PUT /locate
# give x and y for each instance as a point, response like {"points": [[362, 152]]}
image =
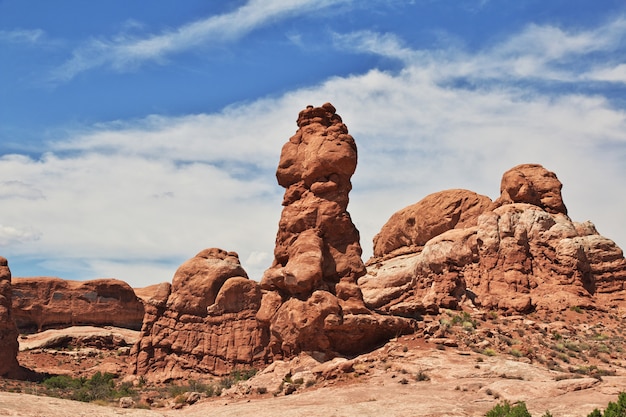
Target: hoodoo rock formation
{"points": [[518, 254], [44, 302], [313, 301], [214, 318], [8, 331]]}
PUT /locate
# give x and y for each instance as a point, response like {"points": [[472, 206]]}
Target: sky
{"points": [[133, 137]]}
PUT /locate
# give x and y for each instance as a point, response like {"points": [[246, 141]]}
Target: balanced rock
{"points": [[519, 254], [205, 322], [532, 184], [8, 332], [44, 302]]}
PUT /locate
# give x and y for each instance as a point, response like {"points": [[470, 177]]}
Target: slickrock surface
{"points": [[520, 254], [43, 303], [8, 331], [400, 379]]}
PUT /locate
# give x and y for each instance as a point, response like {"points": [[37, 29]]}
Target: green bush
{"points": [[506, 410], [99, 387]]}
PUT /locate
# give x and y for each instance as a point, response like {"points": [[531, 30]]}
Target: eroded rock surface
{"points": [[519, 254], [410, 228], [205, 322], [317, 244], [8, 332], [44, 302], [318, 305]]}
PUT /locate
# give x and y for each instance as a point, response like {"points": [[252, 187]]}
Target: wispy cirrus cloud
{"points": [[540, 52], [21, 36], [124, 51]]}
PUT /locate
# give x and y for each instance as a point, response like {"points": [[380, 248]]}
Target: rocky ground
{"points": [[460, 364]]}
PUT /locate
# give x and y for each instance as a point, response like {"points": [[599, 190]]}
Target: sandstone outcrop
{"points": [[410, 228], [8, 332], [44, 303], [213, 318], [317, 305], [518, 254], [317, 244], [205, 322]]}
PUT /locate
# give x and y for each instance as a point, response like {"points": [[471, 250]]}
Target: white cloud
{"points": [[538, 52], [19, 189], [10, 235], [133, 199], [615, 74], [21, 36], [124, 51]]}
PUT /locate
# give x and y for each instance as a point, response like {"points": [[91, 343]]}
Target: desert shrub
{"points": [[99, 387], [236, 376], [62, 382], [506, 410], [489, 352], [421, 376]]}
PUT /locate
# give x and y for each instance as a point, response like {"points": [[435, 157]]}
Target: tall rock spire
{"points": [[317, 245]]}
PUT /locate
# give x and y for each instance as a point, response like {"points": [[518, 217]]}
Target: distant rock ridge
{"points": [[8, 332], [41, 303], [518, 254], [213, 318]]}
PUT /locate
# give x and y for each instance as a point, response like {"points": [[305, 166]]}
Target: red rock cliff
{"points": [[44, 302]]}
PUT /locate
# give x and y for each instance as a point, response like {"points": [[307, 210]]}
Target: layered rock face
{"points": [[8, 332], [43, 302], [518, 254], [204, 322], [213, 318]]}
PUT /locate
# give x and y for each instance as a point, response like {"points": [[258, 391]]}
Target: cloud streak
{"points": [[125, 52], [22, 36], [538, 52]]}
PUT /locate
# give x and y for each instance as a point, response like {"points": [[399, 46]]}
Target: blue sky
{"points": [[133, 137]]}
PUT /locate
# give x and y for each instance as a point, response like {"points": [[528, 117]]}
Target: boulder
{"points": [[8, 332], [44, 303], [409, 229], [532, 184]]}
